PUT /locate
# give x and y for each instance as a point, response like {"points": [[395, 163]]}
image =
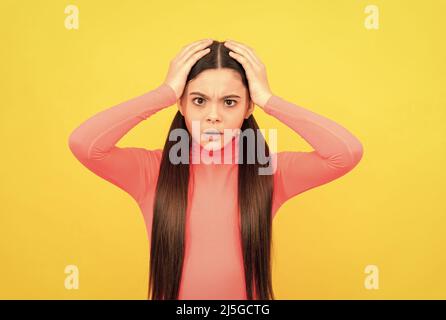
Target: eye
{"points": [[234, 102], [199, 104]]}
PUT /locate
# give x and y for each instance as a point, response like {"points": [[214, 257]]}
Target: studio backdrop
{"points": [[375, 67]]}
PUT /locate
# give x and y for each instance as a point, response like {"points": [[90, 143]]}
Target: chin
{"points": [[212, 145]]}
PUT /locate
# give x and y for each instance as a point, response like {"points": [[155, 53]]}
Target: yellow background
{"points": [[386, 86]]}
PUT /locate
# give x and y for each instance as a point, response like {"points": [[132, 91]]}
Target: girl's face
{"points": [[215, 100]]}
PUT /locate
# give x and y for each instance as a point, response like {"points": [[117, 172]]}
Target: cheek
{"points": [[190, 116], [234, 120]]}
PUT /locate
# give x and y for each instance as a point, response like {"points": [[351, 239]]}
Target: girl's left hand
{"points": [[255, 71]]}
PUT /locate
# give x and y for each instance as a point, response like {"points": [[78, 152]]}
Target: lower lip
{"points": [[213, 136]]}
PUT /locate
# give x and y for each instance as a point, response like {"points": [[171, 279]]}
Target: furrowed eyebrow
{"points": [[205, 96]]}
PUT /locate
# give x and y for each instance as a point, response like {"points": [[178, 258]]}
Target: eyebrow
{"points": [[205, 96]]}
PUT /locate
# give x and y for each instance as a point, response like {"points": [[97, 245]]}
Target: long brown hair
{"points": [[170, 205]]}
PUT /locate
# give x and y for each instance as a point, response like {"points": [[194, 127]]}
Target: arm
{"points": [[336, 150], [93, 143]]}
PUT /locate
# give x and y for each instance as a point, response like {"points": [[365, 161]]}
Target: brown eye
{"points": [[196, 99], [233, 104]]}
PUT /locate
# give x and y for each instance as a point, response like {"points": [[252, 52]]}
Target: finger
{"points": [[243, 61], [242, 52], [193, 47], [245, 50], [196, 56], [249, 50], [187, 47]]}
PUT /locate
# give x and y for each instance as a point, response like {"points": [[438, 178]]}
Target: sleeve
{"points": [[93, 143], [336, 150]]}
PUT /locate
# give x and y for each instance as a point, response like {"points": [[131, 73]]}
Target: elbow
{"points": [[77, 147], [348, 159], [73, 144], [356, 152], [344, 161]]}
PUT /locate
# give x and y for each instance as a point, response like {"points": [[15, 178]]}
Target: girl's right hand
{"points": [[180, 66]]}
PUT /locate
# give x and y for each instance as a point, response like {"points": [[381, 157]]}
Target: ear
{"points": [[250, 109], [180, 107]]}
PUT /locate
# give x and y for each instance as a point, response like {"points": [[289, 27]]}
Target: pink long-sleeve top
{"points": [[213, 263]]}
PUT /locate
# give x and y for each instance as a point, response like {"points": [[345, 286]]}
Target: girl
{"points": [[210, 224]]}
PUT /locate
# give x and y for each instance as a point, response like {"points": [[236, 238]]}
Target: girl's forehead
{"points": [[217, 89], [217, 78]]}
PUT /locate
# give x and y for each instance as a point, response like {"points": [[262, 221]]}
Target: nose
{"points": [[213, 116]]}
